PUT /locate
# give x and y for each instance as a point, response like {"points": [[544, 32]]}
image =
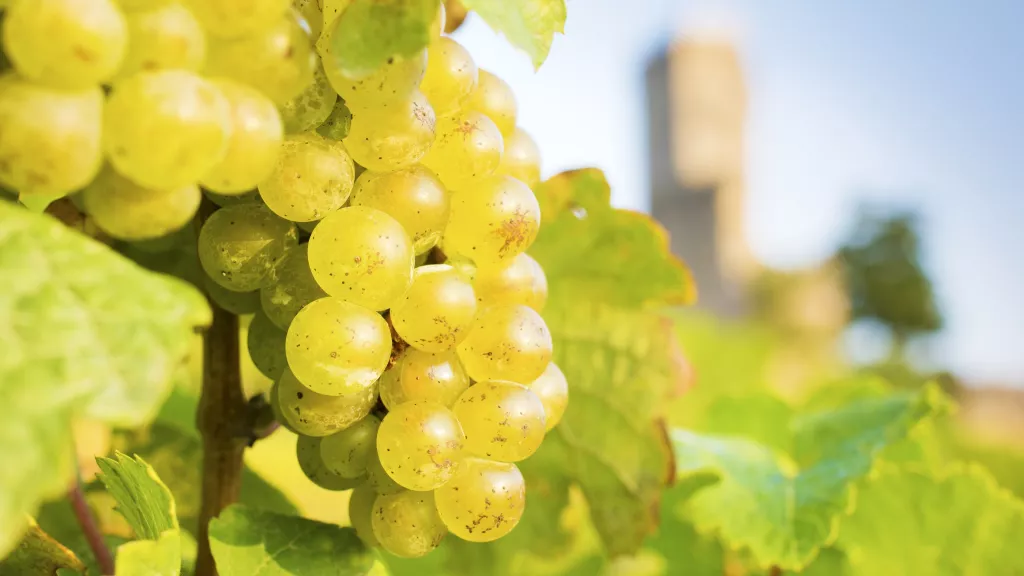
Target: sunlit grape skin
{"points": [[467, 148], [307, 452], [360, 514], [420, 444], [239, 245], [506, 342], [418, 375], [413, 196], [484, 501], [407, 524], [436, 311], [347, 452], [162, 38], [391, 137], [128, 211], [553, 390], [315, 414], [265, 343], [451, 76], [234, 18], [495, 222], [503, 421], [312, 177], [493, 97], [521, 159], [254, 144], [293, 288], [394, 82]]}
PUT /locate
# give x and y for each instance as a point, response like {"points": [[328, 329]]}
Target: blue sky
{"points": [[916, 105]]}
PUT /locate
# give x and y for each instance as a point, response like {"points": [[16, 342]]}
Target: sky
{"points": [[914, 107]]}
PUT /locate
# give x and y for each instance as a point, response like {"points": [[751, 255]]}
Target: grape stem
{"points": [[91, 530]]}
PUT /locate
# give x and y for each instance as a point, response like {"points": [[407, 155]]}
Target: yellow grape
{"points": [[239, 245], [136, 5], [466, 150], [360, 514], [506, 342], [396, 80], [238, 303], [406, 524], [70, 44], [347, 452], [378, 479], [493, 223], [125, 210], [420, 444], [265, 343], [336, 126], [521, 159], [254, 144], [275, 405], [437, 24], [437, 310], [361, 255], [167, 128], [311, 107], [50, 143], [418, 375], [222, 200], [520, 280], [293, 288], [494, 98], [413, 196], [234, 18], [450, 77], [484, 501], [315, 414], [307, 452], [330, 10], [311, 13], [163, 38], [553, 391], [312, 177], [503, 421], [391, 138]]}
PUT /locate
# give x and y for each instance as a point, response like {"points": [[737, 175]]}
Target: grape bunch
{"points": [[376, 226]]}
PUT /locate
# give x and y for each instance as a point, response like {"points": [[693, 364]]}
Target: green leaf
{"points": [[679, 543], [39, 553], [142, 498], [250, 542], [58, 519], [528, 24], [161, 557], [369, 32], [85, 332]]}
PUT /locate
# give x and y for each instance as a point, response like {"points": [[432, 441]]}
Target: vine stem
{"points": [[91, 530]]}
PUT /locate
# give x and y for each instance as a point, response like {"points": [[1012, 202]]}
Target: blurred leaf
{"points": [[528, 24], [39, 553], [160, 557], [141, 497], [829, 562], [85, 332], [369, 32], [58, 520], [679, 543]]}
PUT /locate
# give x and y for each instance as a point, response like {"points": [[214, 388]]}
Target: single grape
{"points": [[347, 452], [503, 421], [406, 524], [392, 138], [520, 280], [378, 479], [163, 38], [396, 81], [307, 452], [493, 223], [413, 196], [191, 116], [360, 514], [337, 125], [238, 303], [265, 343], [450, 77], [467, 149], [494, 98], [240, 245], [222, 200], [137, 5], [420, 444], [292, 289], [553, 391], [51, 139], [338, 348], [275, 405], [315, 414], [311, 107], [310, 12], [234, 18], [126, 210], [312, 177], [361, 255], [484, 501], [437, 310], [68, 44], [330, 10], [255, 141], [521, 159], [437, 24], [419, 375], [506, 342]]}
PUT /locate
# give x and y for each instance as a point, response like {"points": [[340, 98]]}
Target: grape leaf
{"points": [[39, 553], [84, 332], [142, 498], [528, 24], [369, 32], [679, 543], [160, 557], [250, 542]]}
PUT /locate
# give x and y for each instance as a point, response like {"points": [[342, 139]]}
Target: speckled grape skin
{"points": [[337, 348], [307, 452], [484, 501], [362, 255], [520, 280], [394, 82], [503, 421], [521, 159], [378, 479], [314, 414], [312, 106], [413, 196], [493, 97], [311, 178], [360, 514], [437, 310], [495, 222], [506, 342], [265, 342], [293, 288], [420, 444], [347, 452], [419, 375], [254, 144], [467, 149], [125, 210], [240, 245], [392, 137], [275, 405], [450, 77], [407, 524], [553, 390]]}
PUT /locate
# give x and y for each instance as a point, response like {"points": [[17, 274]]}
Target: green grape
{"points": [[240, 245], [392, 138], [69, 44], [191, 116], [362, 255], [503, 421], [493, 223], [337, 348], [293, 288], [450, 77], [419, 375], [163, 38], [265, 343], [484, 501], [311, 107], [50, 142], [378, 479], [238, 303], [436, 311], [310, 12], [360, 514], [467, 149], [331, 9], [521, 159], [520, 280], [275, 405], [346, 453], [307, 452], [406, 524], [277, 61], [254, 144], [506, 342], [136, 5], [337, 125], [494, 98], [553, 391], [420, 444], [234, 18], [312, 177], [249, 197], [315, 414], [396, 81], [413, 196], [126, 210]]}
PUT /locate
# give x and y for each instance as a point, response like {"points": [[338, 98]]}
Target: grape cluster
{"points": [[376, 225]]}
